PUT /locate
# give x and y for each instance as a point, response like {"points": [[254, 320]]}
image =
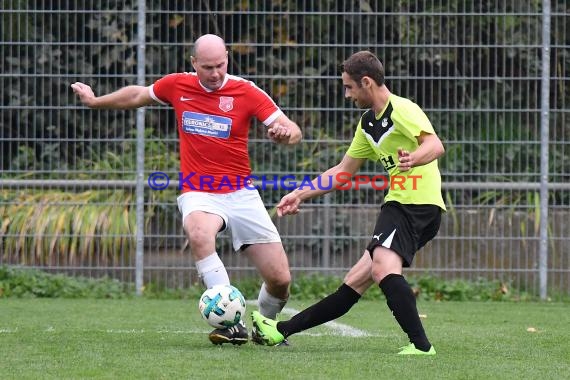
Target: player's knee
{"points": [[377, 275], [384, 262], [199, 237], [284, 280], [280, 283]]}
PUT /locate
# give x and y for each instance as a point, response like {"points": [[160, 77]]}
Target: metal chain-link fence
{"points": [[493, 76]]}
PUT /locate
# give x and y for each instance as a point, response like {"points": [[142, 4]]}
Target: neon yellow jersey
{"points": [[378, 138]]}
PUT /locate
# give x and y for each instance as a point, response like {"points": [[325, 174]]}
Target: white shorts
{"points": [[243, 212]]}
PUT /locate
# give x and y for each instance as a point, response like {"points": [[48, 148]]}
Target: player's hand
{"points": [[405, 160], [279, 133], [84, 92], [289, 205]]}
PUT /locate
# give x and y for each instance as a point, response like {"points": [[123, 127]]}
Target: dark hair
{"points": [[361, 64]]}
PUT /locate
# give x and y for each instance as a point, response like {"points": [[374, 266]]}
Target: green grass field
{"points": [[166, 339]]}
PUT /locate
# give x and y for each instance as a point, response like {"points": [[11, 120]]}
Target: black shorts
{"points": [[405, 228]]}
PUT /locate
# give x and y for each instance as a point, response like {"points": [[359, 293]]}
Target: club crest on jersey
{"points": [[226, 103]]}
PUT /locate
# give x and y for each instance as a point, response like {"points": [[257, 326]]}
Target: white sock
{"points": [[269, 306], [212, 271]]}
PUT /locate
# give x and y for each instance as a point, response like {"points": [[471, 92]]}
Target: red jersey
{"points": [[213, 128]]}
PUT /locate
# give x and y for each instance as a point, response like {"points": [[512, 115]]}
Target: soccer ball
{"points": [[222, 306]]}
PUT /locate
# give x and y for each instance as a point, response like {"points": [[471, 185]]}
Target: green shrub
{"points": [[32, 283], [29, 283]]}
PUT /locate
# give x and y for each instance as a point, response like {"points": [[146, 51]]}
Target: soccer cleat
{"points": [[412, 350], [256, 338], [265, 330], [235, 335]]}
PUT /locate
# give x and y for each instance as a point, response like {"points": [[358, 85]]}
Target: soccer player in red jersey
{"points": [[213, 112]]}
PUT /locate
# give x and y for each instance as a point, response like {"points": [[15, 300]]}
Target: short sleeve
{"points": [[265, 109], [414, 119], [159, 90]]}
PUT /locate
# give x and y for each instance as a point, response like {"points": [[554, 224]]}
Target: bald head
{"points": [[209, 44], [210, 60]]}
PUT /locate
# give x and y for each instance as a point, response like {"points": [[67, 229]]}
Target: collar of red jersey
{"points": [[222, 86]]}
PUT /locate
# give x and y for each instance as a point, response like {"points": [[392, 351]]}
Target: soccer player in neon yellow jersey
{"points": [[397, 133]]}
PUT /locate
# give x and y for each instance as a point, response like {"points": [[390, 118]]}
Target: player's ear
{"points": [[366, 82]]}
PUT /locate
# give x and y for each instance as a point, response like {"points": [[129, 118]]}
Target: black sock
{"points": [[329, 308], [401, 301]]}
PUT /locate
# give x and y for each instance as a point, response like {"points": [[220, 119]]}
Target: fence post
{"points": [[139, 264], [544, 139]]}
